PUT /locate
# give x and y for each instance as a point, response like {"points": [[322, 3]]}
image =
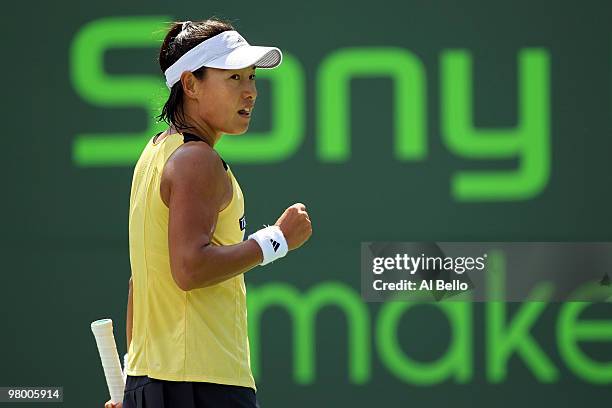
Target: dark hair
{"points": [[181, 37]]}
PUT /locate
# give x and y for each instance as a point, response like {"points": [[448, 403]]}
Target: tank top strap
{"points": [[190, 137]]}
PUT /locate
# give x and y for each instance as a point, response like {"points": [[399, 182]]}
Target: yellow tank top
{"points": [[198, 335]]}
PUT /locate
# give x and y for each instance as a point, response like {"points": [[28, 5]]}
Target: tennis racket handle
{"points": [[107, 348]]}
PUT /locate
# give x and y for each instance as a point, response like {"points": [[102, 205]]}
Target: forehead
{"points": [[222, 71]]}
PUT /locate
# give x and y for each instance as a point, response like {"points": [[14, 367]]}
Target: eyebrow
{"points": [[236, 70]]}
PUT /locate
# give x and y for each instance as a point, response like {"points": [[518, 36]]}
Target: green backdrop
{"points": [[392, 121]]}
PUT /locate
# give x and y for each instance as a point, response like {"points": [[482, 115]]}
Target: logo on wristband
{"points": [[275, 244]]}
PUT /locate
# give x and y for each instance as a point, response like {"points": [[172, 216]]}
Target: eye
{"points": [[253, 76], [235, 76]]}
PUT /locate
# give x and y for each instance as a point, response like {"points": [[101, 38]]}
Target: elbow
{"points": [[183, 280], [180, 268], [188, 281], [187, 277], [181, 276], [191, 274]]}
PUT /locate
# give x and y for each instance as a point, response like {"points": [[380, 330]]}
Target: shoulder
{"points": [[193, 173], [194, 161]]}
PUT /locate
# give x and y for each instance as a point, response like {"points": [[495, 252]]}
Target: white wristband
{"points": [[272, 243]]}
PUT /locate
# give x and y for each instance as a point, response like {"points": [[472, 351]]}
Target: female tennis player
{"points": [[189, 346]]}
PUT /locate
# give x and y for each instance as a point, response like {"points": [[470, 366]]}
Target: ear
{"points": [[190, 84]]}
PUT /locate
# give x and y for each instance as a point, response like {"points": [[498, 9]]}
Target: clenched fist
{"points": [[295, 225]]}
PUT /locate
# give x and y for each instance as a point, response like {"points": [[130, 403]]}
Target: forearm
{"points": [[130, 315], [213, 264]]}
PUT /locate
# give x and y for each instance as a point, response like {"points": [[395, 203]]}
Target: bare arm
{"points": [[130, 316], [197, 185]]}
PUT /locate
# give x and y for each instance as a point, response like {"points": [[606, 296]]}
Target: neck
{"points": [[201, 129]]}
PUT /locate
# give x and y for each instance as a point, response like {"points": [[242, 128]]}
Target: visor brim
{"points": [[248, 55]]}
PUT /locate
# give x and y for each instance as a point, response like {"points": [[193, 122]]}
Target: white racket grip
{"points": [[107, 348]]}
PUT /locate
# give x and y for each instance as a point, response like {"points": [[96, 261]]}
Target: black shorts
{"points": [[142, 391]]}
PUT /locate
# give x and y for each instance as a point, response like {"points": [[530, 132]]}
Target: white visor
{"points": [[228, 50]]}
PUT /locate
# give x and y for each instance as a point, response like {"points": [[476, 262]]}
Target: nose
{"points": [[250, 91]]}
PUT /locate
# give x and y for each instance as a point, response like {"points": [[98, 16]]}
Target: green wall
{"points": [[392, 121]]}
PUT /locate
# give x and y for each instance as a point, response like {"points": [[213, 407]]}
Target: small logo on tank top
{"points": [[242, 223]]}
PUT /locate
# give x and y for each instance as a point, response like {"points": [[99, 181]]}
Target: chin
{"points": [[240, 131]]}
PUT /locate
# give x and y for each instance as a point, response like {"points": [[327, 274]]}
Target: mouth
{"points": [[245, 113]]}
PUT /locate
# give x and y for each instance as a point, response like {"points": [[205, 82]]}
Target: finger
{"points": [[299, 206]]}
